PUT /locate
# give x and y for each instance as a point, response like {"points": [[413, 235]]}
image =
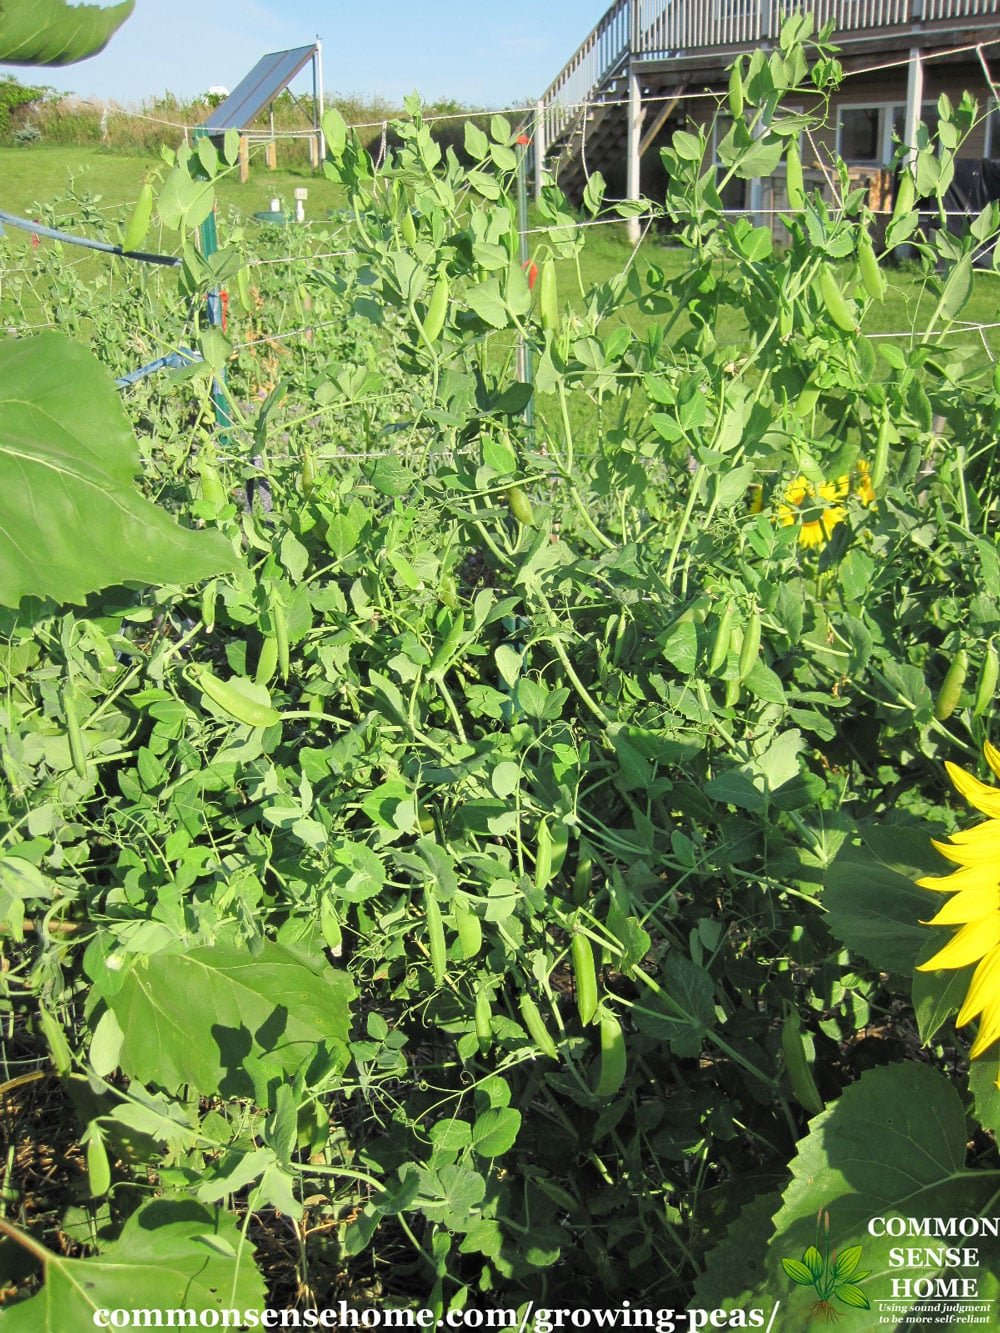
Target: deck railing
{"points": [[602, 51], [661, 29]]}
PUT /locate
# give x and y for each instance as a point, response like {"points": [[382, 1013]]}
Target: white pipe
{"points": [[318, 65]]}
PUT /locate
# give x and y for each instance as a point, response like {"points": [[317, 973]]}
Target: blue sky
{"points": [[474, 52]]}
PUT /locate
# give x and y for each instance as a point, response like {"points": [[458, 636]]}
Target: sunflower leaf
{"points": [[50, 32]]}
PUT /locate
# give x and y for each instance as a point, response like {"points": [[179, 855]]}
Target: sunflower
{"points": [[818, 510], [975, 906]]}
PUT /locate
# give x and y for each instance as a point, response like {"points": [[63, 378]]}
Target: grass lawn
{"points": [[110, 182], [34, 176]]}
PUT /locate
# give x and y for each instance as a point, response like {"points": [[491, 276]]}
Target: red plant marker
{"points": [[531, 268], [523, 140]]}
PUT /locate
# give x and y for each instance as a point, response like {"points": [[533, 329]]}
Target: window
{"points": [[859, 134], [871, 133], [993, 134]]}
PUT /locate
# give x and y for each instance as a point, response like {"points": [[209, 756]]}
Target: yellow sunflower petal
{"points": [[978, 875], [969, 905], [986, 799], [986, 833], [992, 757], [989, 1029], [983, 989], [967, 946], [965, 854]]}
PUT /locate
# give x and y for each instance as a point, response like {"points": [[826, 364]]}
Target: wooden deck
{"points": [[592, 115]]}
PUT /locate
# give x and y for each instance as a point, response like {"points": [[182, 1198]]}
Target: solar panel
{"points": [[261, 86]]}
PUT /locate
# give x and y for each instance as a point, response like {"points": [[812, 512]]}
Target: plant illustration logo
{"points": [[834, 1276]]}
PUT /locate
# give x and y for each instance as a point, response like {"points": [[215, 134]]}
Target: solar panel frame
{"points": [[269, 76]]}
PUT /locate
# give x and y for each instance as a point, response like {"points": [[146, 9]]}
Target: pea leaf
{"points": [[495, 1130], [71, 518], [50, 32], [171, 1254]]}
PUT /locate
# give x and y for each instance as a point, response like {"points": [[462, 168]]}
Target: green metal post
{"points": [[209, 239], [525, 370]]}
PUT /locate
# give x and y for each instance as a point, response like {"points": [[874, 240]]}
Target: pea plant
{"points": [[457, 854]]}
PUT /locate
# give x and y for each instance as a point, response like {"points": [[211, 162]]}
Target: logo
{"points": [[833, 1276]]}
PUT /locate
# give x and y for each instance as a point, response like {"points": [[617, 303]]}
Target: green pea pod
{"points": [[986, 686], [613, 1056], [208, 594], [211, 489], [408, 227], [520, 506], [906, 196], [98, 1166], [584, 977], [445, 654], [872, 277], [583, 876], [800, 1076], [543, 855], [277, 609], [794, 180], [468, 927], [484, 1020], [435, 936], [244, 292], [448, 592], [732, 693], [560, 844], [535, 1027], [751, 647], [722, 640], [951, 687], [425, 819], [55, 1040], [138, 224], [267, 661], [736, 100], [307, 476], [74, 735], [880, 462], [234, 698], [551, 844], [807, 399], [548, 297], [437, 310], [834, 301]]}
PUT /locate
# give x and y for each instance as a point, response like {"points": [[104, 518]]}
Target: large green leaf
{"points": [[892, 1146], [202, 1016], [875, 906], [71, 518], [171, 1255], [50, 32]]}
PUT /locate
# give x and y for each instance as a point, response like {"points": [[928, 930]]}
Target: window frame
{"points": [[887, 114]]}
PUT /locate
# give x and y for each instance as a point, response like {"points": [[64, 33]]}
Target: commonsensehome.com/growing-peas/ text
{"points": [[527, 1319]]}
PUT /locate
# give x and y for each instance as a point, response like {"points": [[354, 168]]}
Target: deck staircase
{"points": [[583, 114], [584, 122]]}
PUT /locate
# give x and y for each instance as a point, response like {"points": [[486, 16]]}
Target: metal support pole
{"points": [[209, 239], [914, 101], [633, 188], [525, 370], [757, 200], [318, 67], [540, 149]]}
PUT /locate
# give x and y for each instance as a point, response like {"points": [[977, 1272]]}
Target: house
{"points": [[651, 66]]}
